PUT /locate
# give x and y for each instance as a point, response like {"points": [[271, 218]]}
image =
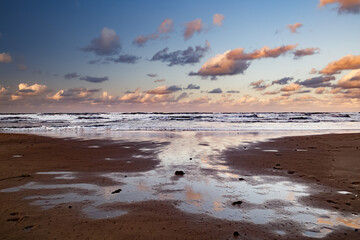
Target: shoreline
{"points": [[168, 221]]}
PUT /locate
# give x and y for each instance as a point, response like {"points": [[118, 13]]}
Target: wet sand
{"points": [[330, 160]]}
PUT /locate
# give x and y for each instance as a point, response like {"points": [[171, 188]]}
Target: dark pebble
{"points": [[290, 172], [241, 179], [190, 158], [237, 203], [70, 206], [116, 191], [236, 234], [179, 173]]}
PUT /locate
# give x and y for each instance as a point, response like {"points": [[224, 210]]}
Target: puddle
{"points": [[345, 192], [94, 146], [63, 175], [301, 150], [17, 156], [207, 187], [270, 150]]}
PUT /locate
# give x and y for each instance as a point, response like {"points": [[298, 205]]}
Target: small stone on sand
{"points": [[237, 203], [179, 173], [116, 191]]}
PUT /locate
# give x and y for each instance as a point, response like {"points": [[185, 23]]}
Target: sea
{"points": [[157, 121]]}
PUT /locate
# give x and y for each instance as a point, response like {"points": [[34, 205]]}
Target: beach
{"points": [[326, 162]]}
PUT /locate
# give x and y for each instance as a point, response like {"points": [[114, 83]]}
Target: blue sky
{"points": [[42, 42]]}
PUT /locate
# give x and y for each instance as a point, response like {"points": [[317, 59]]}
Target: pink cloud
{"points": [[28, 90], [218, 19], [259, 85], [5, 58], [192, 27], [351, 80], [320, 90], [305, 52], [345, 63], [293, 27], [291, 87], [75, 94], [344, 6], [160, 80], [160, 94], [313, 71], [235, 61], [166, 26]]}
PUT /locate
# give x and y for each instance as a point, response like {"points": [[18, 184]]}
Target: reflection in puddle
{"points": [[63, 175], [208, 186], [270, 150]]}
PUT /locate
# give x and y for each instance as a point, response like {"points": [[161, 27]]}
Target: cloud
{"points": [[259, 85], [343, 6], [221, 65], [282, 81], [291, 87], [216, 90], [293, 27], [35, 89], [5, 58], [315, 82], [28, 90], [3, 90], [160, 80], [72, 75], [192, 27], [313, 71], [165, 27], [125, 58], [218, 19], [271, 92], [192, 86], [108, 43], [350, 80], [181, 57], [22, 67], [345, 63], [236, 61], [159, 95], [320, 90], [74, 94], [151, 75], [305, 52], [164, 90], [94, 79], [264, 52]]}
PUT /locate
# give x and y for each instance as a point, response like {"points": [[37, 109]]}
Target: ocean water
{"points": [[271, 121]]}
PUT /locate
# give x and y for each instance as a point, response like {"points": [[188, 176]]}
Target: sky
{"points": [[179, 56]]}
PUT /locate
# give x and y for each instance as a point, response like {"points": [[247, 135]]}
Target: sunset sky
{"points": [[120, 56]]}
